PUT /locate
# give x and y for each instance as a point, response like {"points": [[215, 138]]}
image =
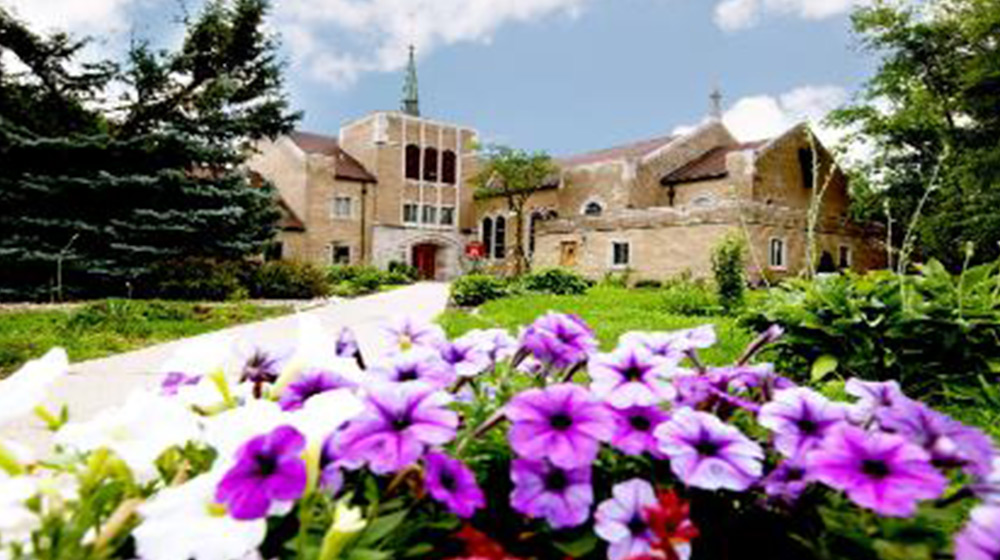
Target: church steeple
{"points": [[411, 95], [715, 108]]}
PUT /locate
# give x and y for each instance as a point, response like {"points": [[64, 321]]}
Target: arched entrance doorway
{"points": [[424, 258]]}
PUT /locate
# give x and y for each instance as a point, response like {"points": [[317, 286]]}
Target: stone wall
{"points": [[396, 244]]}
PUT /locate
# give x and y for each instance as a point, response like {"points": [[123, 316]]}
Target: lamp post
{"points": [[59, 267]]}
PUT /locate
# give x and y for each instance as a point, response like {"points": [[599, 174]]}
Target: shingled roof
{"points": [[625, 151], [711, 165], [347, 168]]}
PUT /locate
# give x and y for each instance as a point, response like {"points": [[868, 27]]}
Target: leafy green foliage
{"points": [[930, 110], [934, 332], [476, 289], [688, 297], [288, 280], [352, 280], [729, 268], [556, 281], [108, 327]]}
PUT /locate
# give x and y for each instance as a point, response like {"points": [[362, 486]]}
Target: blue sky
{"points": [[560, 75]]}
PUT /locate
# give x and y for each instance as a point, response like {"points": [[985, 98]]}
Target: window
{"points": [[430, 164], [409, 213], [274, 251], [340, 254], [532, 229], [487, 236], [593, 209], [448, 166], [412, 161], [430, 214], [341, 207], [806, 164], [620, 254], [447, 215], [500, 238], [776, 253], [845, 256]]}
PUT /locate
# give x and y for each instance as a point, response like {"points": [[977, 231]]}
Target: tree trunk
{"points": [[520, 259]]}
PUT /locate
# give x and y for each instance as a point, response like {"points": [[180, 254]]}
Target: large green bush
{"points": [[937, 334], [477, 289], [729, 268], [288, 280], [557, 281], [683, 296], [197, 279]]}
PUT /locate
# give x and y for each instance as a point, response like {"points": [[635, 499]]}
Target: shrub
{"points": [[556, 281], [476, 289], [368, 279], [288, 280], [934, 333], [196, 279], [686, 297], [404, 270], [648, 284], [730, 272], [342, 273]]}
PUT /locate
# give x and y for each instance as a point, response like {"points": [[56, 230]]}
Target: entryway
{"points": [[425, 260]]}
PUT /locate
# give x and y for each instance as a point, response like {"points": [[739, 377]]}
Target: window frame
{"points": [[486, 235], [615, 244], [431, 156], [845, 263], [332, 251], [585, 210], [416, 213], [411, 162], [449, 167], [335, 207], [499, 249], [783, 253], [424, 214], [450, 212]]}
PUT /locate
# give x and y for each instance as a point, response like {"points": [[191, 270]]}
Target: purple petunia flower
{"points": [[800, 418], [418, 364], [268, 469], [698, 337], [727, 385], [631, 376], [880, 471], [466, 356], [980, 539], [399, 422], [308, 385], [450, 482], [347, 344], [496, 343], [950, 443], [622, 521], [872, 397], [173, 381], [561, 422], [786, 482], [559, 340], [634, 428], [403, 333], [561, 496], [706, 453], [660, 344], [331, 476]]}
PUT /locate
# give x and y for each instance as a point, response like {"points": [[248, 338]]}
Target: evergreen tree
{"points": [[154, 178]]}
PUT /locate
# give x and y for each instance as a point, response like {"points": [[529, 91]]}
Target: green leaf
{"points": [[823, 366], [578, 548], [381, 527], [419, 551], [368, 554]]}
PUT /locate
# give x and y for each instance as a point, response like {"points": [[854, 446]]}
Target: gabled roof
{"points": [[710, 165], [289, 221], [347, 168], [632, 150]]}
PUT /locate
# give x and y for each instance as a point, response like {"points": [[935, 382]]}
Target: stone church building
{"points": [[396, 186]]}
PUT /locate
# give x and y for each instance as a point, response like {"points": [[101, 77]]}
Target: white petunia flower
{"points": [[16, 520], [324, 413], [230, 429], [27, 387], [184, 522], [138, 432]]}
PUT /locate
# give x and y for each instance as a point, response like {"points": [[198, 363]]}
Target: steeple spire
{"points": [[715, 111], [411, 95]]}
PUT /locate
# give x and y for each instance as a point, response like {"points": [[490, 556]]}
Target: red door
{"points": [[424, 259]]}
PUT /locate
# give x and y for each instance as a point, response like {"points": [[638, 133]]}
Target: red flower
{"points": [[479, 546], [671, 525]]}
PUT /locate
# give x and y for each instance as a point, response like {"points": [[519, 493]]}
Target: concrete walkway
{"points": [[97, 384]]}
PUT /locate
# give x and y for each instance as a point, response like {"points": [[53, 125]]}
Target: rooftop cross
{"points": [[716, 109]]}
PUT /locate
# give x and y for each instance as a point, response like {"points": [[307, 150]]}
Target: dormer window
{"points": [[593, 209]]}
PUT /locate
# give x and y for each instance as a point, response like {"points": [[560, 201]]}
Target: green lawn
{"points": [[609, 311], [111, 326]]}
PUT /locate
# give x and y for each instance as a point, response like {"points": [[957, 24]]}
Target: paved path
{"points": [[96, 384]]}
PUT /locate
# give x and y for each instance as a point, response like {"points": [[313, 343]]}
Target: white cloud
{"points": [[765, 116], [732, 15], [338, 40], [71, 15]]}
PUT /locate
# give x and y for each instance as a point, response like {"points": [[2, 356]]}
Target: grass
{"points": [[609, 311], [111, 326]]}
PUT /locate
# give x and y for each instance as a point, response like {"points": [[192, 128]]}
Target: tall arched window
{"points": [[448, 165], [430, 164], [500, 238], [412, 162], [593, 209], [487, 236], [532, 228]]}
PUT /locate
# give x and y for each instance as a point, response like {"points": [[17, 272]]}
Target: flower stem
{"points": [[493, 421]]}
